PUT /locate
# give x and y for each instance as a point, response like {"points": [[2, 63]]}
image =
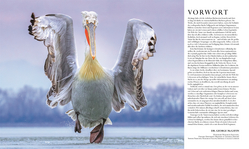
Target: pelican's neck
{"points": [[91, 69]]}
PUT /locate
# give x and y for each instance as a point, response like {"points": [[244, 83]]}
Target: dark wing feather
{"points": [[56, 32], [138, 45]]}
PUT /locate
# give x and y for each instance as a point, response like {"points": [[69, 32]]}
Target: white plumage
{"points": [[92, 89]]}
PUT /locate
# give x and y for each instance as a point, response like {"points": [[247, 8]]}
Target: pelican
{"points": [[92, 89]]}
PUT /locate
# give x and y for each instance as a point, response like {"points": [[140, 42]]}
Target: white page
{"points": [[204, 136]]}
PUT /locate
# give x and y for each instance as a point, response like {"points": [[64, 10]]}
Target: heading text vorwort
{"points": [[208, 12]]}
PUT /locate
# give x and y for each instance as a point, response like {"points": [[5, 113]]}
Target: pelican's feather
{"points": [[138, 45], [56, 32]]}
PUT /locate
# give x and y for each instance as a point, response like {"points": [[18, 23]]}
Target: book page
{"points": [[215, 74]]}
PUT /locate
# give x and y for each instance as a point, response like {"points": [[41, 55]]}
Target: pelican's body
{"points": [[92, 98], [92, 89]]}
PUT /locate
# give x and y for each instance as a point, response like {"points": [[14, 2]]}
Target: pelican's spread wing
{"points": [[56, 32], [138, 45]]}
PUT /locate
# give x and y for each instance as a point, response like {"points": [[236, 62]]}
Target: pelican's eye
{"points": [[86, 21], [94, 21]]}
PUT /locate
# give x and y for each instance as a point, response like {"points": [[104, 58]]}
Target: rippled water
{"points": [[115, 137]]}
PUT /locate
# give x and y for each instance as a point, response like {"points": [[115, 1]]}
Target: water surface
{"points": [[115, 137]]}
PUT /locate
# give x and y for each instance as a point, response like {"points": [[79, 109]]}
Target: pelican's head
{"points": [[90, 23]]}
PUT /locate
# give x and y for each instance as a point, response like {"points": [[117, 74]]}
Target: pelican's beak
{"points": [[90, 36]]}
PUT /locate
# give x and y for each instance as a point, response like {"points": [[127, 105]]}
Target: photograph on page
{"points": [[92, 74]]}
